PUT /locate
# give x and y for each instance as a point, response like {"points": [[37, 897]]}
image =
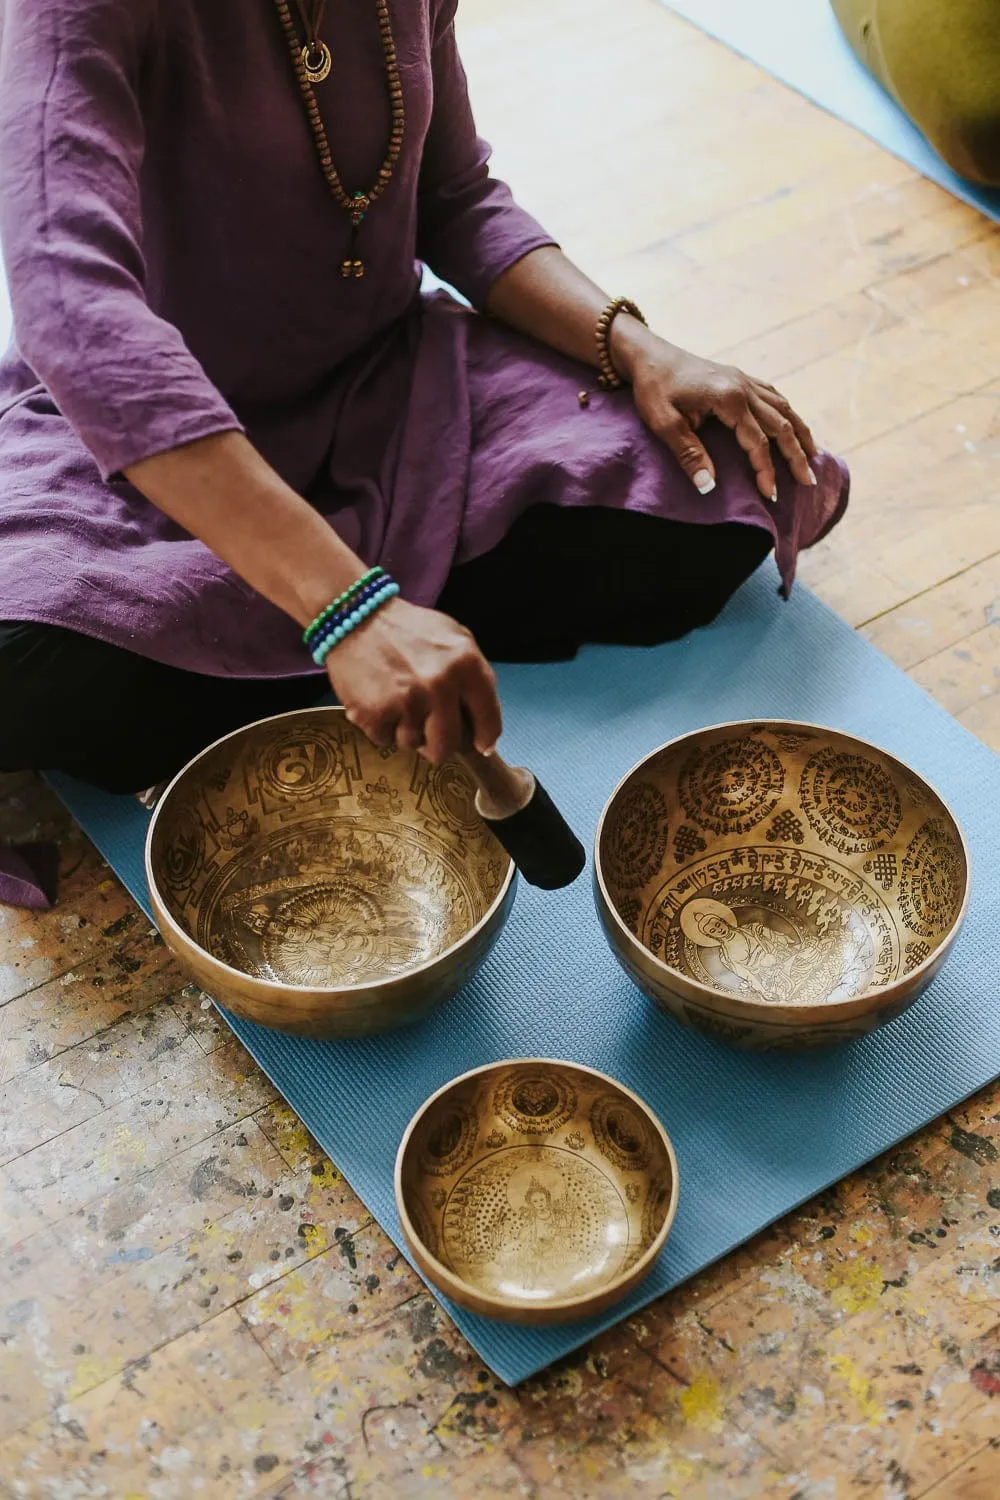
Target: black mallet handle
{"points": [[526, 821]]}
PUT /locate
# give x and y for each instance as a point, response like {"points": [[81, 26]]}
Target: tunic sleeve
{"points": [[470, 229], [71, 147]]}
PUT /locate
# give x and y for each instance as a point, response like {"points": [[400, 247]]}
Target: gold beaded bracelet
{"points": [[609, 379]]}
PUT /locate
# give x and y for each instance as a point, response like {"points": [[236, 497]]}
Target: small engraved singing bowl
{"points": [[535, 1191], [779, 886], [317, 885]]}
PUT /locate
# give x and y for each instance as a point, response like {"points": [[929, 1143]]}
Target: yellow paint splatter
{"points": [[860, 1389], [856, 1285], [324, 1176], [861, 1234], [701, 1403], [91, 1372]]}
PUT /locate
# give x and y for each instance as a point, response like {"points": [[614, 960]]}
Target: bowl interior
{"points": [[537, 1183], [295, 852], [783, 864]]}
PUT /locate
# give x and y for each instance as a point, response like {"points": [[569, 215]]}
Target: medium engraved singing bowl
{"points": [[779, 886], [317, 885], [535, 1191]]}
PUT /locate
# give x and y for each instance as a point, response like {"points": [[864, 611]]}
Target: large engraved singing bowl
{"points": [[779, 886], [535, 1191], [313, 884]]}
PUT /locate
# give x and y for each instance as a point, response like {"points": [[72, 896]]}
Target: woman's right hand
{"points": [[416, 679]]}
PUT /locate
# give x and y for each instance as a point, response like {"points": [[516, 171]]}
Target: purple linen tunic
{"points": [[173, 256]]}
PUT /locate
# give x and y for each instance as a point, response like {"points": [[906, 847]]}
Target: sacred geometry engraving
{"points": [[732, 786], [183, 857], [534, 1101], [687, 841], [850, 801], [620, 1133], [534, 1217], [786, 829], [932, 880], [452, 798], [300, 763], [451, 1142], [883, 869], [774, 925], [637, 842], [916, 953]]}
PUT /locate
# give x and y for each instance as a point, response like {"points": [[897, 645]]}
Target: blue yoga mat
{"points": [[754, 1135], [800, 42]]}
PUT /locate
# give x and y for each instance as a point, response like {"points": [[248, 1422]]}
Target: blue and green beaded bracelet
{"points": [[339, 604], [349, 617]]}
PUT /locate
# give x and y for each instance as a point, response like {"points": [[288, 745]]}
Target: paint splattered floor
{"points": [[192, 1301]]}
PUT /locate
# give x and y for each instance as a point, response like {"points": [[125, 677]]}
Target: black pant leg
{"points": [[71, 703], [564, 577]]}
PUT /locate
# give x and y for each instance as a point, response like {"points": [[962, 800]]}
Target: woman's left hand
{"points": [[675, 391]]}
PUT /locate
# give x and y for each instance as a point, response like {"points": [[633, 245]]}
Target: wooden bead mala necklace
{"points": [[312, 62]]}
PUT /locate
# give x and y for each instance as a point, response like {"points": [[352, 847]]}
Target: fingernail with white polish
{"points": [[774, 496], [703, 482], [812, 478]]}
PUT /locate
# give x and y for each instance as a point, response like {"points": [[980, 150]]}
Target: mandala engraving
{"points": [[330, 903], [775, 926], [732, 786], [620, 1133], [533, 1220], [451, 795], [300, 763], [932, 880], [183, 857], [450, 1142], [636, 840], [850, 801], [534, 1102]]}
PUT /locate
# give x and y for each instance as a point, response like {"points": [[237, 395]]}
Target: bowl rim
{"points": [[806, 1014], [269, 987], [451, 1285]]}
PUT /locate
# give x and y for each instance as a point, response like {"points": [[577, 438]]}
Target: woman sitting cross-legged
{"points": [[227, 399]]}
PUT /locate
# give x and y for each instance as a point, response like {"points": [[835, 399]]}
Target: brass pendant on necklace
{"points": [[316, 61], [312, 63]]}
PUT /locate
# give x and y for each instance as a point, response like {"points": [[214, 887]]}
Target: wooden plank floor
{"points": [[192, 1301]]}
